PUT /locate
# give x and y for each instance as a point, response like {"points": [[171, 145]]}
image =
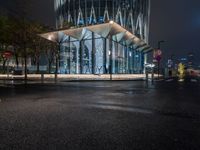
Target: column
{"points": [[93, 54], [69, 55], [81, 57], [110, 56], [104, 56], [116, 60], [145, 62]]}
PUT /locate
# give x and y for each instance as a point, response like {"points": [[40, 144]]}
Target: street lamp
{"points": [[159, 47], [159, 43]]}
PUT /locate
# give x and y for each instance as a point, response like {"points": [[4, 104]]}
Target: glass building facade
{"points": [[92, 46]]}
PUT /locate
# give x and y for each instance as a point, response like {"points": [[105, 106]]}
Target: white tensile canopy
{"points": [[106, 30]]}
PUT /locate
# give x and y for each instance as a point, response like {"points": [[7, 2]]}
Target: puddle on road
{"points": [[134, 92], [41, 98], [114, 94], [119, 108], [102, 86], [127, 92]]}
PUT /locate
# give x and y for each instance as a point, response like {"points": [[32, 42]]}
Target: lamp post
{"points": [[159, 43], [159, 46]]}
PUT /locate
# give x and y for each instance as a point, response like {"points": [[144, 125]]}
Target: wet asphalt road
{"points": [[125, 115]]}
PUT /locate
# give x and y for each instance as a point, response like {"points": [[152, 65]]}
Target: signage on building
{"points": [[170, 63], [157, 55]]}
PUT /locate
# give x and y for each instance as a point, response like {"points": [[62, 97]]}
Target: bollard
{"points": [[55, 78], [147, 76], [7, 69], [152, 77], [42, 77]]}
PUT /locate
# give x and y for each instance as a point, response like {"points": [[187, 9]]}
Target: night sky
{"points": [[178, 23], [175, 21]]}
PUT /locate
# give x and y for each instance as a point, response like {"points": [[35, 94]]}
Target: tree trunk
{"points": [[25, 64], [16, 57], [38, 63], [38, 67], [57, 62], [50, 67], [17, 60], [4, 65], [56, 71]]}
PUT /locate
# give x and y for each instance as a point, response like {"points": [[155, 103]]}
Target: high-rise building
{"points": [[106, 36], [191, 60]]}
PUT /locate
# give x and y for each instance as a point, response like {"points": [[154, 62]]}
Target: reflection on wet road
{"points": [[100, 115]]}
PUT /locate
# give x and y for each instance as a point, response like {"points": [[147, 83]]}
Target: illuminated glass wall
{"points": [[95, 54]]}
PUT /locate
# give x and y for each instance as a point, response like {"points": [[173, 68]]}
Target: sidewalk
{"points": [[75, 77]]}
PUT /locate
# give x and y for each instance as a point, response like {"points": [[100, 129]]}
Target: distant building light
{"points": [[184, 59], [136, 56], [149, 65], [191, 55], [109, 53], [190, 63]]}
